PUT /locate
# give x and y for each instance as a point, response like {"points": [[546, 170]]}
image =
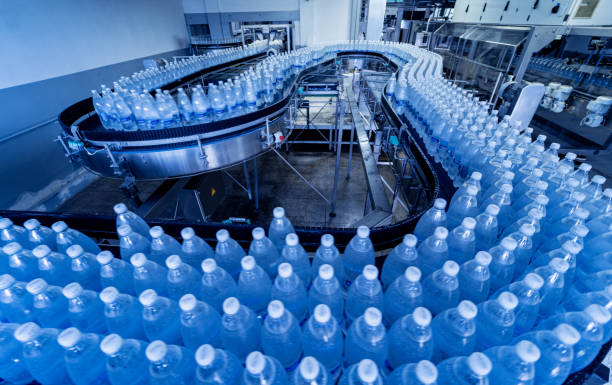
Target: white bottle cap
{"points": [[608, 193], [75, 251], [247, 262], [147, 297], [72, 290], [581, 213], [124, 230], [476, 175], [555, 146], [450, 268], [6, 280], [36, 286], [11, 248], [506, 188], [109, 295], [188, 302], [372, 316], [533, 281], [258, 233], [573, 183], [479, 364], [59, 227], [209, 265], [173, 262], [156, 350], [327, 240], [412, 274], [309, 368], [367, 370], [255, 362], [231, 305], [598, 313], [567, 334], [363, 231], [580, 230], [483, 258], [508, 300], [492, 210], [156, 231], [322, 313], [585, 167], [508, 175], [559, 265], [426, 372], [292, 239], [276, 309], [187, 233], [69, 337], [278, 212], [471, 190], [120, 208], [542, 200], [31, 224], [370, 272], [469, 223], [528, 229], [104, 257], [41, 251], [441, 232], [527, 351], [541, 185], [111, 344], [326, 271], [421, 316], [570, 156], [205, 355], [409, 240], [572, 247], [467, 309], [508, 243], [26, 332], [537, 172], [535, 213], [222, 235], [578, 196], [138, 260], [440, 204]]}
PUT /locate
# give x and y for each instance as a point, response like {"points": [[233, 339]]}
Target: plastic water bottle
{"points": [[474, 278], [404, 295], [527, 291], [170, 364], [115, 272], [254, 285], [49, 305], [502, 263], [182, 278], [263, 370], [364, 373], [279, 228], [126, 217], [131, 242], [216, 367], [473, 369], [311, 372], [66, 237], [126, 363], [466, 205], [217, 284], [185, 107], [364, 293], [289, 289], [454, 331], [122, 314], [200, 323], [327, 253], [43, 356], [577, 233], [462, 241], [228, 253], [83, 358], [15, 301], [21, 263], [281, 336], [433, 251], [366, 338], [322, 339], [513, 364], [434, 217], [12, 233], [84, 267], [399, 259], [162, 245], [554, 284], [326, 289], [533, 217], [160, 317], [194, 248], [39, 235], [474, 180], [264, 251], [12, 365], [241, 330], [85, 310], [53, 267], [557, 353], [487, 228], [411, 338], [441, 288], [421, 373], [495, 321], [294, 254], [358, 253], [148, 275]]}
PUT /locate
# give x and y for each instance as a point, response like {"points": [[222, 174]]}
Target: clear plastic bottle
{"points": [[474, 278], [12, 365], [83, 358], [289, 289], [148, 275], [85, 310], [162, 245], [39, 235], [527, 291], [366, 338], [472, 369], [327, 253], [21, 263], [399, 259], [115, 272], [228, 253], [434, 217], [264, 251], [465, 205], [160, 317], [567, 252], [554, 285], [200, 323], [404, 295], [502, 263], [254, 285], [513, 364], [323, 339], [454, 331], [495, 321], [294, 254], [170, 364], [365, 292], [263, 370], [241, 330], [281, 336], [122, 314], [326, 289], [217, 284], [12, 233], [524, 248], [126, 217], [216, 367], [84, 268], [358, 253], [66, 237], [131, 242], [433, 251], [194, 249], [462, 241], [421, 373], [15, 301], [502, 199], [311, 371], [53, 267], [411, 338], [126, 363], [363, 373], [486, 229], [48, 304], [441, 288], [279, 228], [182, 278]]}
